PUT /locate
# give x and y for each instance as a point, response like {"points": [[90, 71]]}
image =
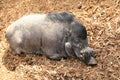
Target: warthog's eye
{"points": [[76, 43]]}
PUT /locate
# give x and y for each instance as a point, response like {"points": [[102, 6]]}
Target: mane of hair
{"points": [[61, 17]]}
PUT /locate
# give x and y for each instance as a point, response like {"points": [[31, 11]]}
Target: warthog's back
{"points": [[34, 31]]}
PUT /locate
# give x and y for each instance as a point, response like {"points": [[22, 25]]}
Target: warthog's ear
{"points": [[68, 49]]}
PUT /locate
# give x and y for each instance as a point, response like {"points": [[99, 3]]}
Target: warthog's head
{"points": [[78, 43]]}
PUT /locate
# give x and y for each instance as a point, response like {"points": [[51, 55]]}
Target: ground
{"points": [[102, 21]]}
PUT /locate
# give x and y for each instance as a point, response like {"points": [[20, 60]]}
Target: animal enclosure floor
{"points": [[102, 21]]}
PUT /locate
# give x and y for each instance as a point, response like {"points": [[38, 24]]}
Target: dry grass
{"points": [[102, 20]]}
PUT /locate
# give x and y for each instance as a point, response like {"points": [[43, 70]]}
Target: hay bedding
{"points": [[102, 20]]}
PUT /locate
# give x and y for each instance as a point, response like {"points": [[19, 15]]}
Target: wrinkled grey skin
{"points": [[56, 35]]}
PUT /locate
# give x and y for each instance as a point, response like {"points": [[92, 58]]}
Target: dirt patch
{"points": [[102, 21]]}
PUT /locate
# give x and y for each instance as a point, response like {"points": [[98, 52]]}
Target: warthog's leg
{"points": [[52, 54]]}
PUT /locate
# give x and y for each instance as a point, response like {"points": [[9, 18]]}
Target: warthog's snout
{"points": [[89, 57], [92, 62]]}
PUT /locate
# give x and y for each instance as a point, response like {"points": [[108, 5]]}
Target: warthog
{"points": [[55, 35]]}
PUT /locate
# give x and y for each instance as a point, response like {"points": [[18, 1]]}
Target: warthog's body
{"points": [[56, 35]]}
